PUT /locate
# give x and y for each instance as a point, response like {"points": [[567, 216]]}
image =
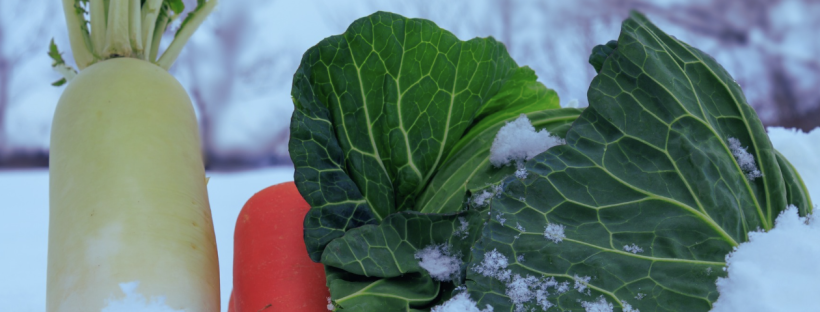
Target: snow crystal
{"points": [[520, 258], [775, 270], [500, 218], [519, 227], [522, 290], [597, 306], [494, 265], [518, 141], [136, 302], [330, 306], [462, 230], [481, 199], [640, 296], [802, 151], [633, 248], [581, 283], [521, 172], [562, 288], [460, 303], [554, 232], [439, 262], [745, 160], [628, 307]]}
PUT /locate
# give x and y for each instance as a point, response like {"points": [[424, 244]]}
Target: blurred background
{"points": [[238, 67]]}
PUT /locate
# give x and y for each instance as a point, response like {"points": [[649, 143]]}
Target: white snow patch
{"points": [[330, 305], [522, 290], [460, 303], [775, 270], [581, 283], [517, 141], [462, 230], [480, 199], [640, 296], [628, 307], [136, 302], [519, 227], [494, 265], [500, 218], [440, 262], [633, 248], [803, 152], [597, 306], [554, 232], [745, 160]]}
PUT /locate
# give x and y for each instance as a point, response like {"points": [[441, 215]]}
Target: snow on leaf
{"points": [[439, 261], [601, 305], [460, 303], [745, 160], [494, 265], [633, 248], [554, 232], [518, 141]]}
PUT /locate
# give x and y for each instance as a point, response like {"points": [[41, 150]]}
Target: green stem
{"points": [[78, 34], [135, 27], [162, 22], [117, 41], [97, 26], [149, 21], [190, 25]]}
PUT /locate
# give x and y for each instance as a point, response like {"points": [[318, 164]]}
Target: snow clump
{"points": [[460, 303], [440, 262], [136, 302], [775, 270], [745, 160], [517, 141], [633, 248], [597, 306], [554, 232]]}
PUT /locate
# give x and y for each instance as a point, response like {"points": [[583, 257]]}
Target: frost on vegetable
{"points": [[600, 305], [460, 303], [745, 160], [517, 142], [633, 248], [494, 265], [554, 232], [440, 262], [135, 301], [776, 270], [581, 284]]}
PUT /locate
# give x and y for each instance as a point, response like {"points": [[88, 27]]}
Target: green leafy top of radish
{"points": [[103, 29]]}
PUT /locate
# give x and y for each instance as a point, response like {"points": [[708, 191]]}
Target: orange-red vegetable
{"points": [[272, 270]]}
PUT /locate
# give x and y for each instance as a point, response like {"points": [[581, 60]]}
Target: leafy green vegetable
{"points": [[379, 108], [391, 135], [650, 196]]}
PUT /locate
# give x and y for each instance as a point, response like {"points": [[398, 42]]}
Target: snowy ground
{"points": [[24, 229], [24, 217]]}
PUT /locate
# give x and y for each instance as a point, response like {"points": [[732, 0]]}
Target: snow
{"points": [[480, 199], [462, 231], [440, 262], [494, 265], [597, 306], [24, 229], [554, 232], [775, 270], [633, 248], [330, 305], [460, 303], [745, 160], [803, 152], [136, 302], [581, 283], [517, 141]]}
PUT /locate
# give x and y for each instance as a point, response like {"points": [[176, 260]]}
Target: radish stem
{"points": [[78, 34], [162, 22], [97, 25], [135, 27], [149, 21], [191, 23], [116, 39]]}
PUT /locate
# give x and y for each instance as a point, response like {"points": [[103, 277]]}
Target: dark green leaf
{"points": [[378, 109], [60, 82], [388, 249], [351, 293], [648, 163], [796, 192], [469, 168], [600, 53]]}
